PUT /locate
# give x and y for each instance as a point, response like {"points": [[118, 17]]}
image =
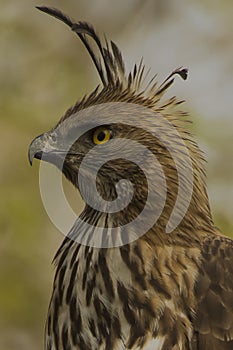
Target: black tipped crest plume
{"points": [[111, 69]]}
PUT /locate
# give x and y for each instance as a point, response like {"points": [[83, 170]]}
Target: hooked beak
{"points": [[43, 148], [40, 148]]}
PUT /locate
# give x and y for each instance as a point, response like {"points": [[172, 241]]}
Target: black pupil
{"points": [[101, 136]]}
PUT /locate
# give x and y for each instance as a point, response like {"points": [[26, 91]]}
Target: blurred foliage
{"points": [[37, 83]]}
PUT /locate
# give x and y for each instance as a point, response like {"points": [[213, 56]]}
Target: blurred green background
{"points": [[44, 69]]}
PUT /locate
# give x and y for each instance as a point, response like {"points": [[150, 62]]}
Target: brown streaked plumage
{"points": [[161, 291]]}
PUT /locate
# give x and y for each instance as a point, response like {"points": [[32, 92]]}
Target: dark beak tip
{"points": [[30, 161]]}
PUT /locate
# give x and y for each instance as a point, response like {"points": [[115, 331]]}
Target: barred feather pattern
{"points": [[122, 298]]}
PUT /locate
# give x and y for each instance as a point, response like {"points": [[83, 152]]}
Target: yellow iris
{"points": [[101, 135]]}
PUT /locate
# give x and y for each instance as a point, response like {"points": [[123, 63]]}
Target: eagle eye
{"points": [[101, 135]]}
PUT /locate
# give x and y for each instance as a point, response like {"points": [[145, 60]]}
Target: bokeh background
{"points": [[44, 69]]}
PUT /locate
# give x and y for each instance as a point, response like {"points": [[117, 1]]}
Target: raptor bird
{"points": [[143, 266]]}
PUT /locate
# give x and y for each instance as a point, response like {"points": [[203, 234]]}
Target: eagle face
{"points": [[143, 266], [96, 133]]}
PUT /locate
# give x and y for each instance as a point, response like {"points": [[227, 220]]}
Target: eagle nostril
{"points": [[53, 137]]}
